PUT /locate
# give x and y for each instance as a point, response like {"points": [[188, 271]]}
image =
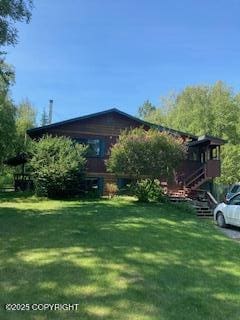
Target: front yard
{"points": [[117, 259]]}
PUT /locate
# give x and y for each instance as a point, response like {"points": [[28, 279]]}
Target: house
{"points": [[101, 130]]}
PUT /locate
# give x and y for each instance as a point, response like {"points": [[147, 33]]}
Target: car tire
{"points": [[221, 220]]}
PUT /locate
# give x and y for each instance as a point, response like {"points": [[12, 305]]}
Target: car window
{"points": [[235, 200], [235, 189]]}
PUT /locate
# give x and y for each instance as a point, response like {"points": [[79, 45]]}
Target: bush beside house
{"points": [[58, 166], [150, 155]]}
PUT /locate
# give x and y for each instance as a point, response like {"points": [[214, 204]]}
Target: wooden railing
{"points": [[200, 172]]}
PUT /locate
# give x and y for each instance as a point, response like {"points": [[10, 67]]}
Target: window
{"points": [[235, 200], [235, 189], [214, 154], [95, 146]]}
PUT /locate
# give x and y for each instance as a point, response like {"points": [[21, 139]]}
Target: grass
{"points": [[117, 259]]}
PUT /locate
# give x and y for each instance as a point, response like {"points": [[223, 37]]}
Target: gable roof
{"points": [[112, 110]]}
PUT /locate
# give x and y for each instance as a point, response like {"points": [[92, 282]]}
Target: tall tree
{"points": [[7, 128], [11, 12], [203, 109], [146, 109], [7, 119], [207, 109], [44, 118], [213, 110], [25, 119]]}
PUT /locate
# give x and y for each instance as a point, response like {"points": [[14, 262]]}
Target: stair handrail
{"points": [[211, 197], [194, 174]]}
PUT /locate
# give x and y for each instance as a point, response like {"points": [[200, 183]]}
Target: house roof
{"points": [[206, 139], [112, 110]]}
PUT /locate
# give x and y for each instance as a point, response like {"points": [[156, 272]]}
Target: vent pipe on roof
{"points": [[50, 111]]}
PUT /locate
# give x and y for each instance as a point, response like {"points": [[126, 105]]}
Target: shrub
{"points": [[111, 189], [149, 190], [58, 165], [152, 154]]}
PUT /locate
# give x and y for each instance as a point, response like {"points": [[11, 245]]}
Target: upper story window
{"points": [[95, 146]]}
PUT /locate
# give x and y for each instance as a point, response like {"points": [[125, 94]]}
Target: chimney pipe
{"points": [[50, 111]]}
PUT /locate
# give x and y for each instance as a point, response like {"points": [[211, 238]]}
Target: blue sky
{"points": [[90, 55]]}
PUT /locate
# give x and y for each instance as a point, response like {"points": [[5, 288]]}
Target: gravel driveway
{"points": [[231, 232]]}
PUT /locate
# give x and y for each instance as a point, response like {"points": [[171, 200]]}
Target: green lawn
{"points": [[118, 259]]}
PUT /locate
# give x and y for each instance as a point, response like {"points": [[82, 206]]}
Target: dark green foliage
{"points": [[58, 166], [7, 128], [12, 11], [44, 118], [149, 190]]}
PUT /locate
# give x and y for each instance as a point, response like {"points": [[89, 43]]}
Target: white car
{"points": [[229, 212], [233, 190]]}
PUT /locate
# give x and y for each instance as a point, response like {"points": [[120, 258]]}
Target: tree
{"points": [[25, 119], [44, 118], [146, 154], [230, 155], [58, 165], [7, 128], [213, 110], [11, 12], [199, 110], [146, 110]]}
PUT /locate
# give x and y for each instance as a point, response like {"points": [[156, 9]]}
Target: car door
{"points": [[233, 211]]}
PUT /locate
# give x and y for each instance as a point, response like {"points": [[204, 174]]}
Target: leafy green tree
{"points": [[146, 154], [11, 12], [7, 76], [58, 165], [146, 110], [201, 110], [7, 128], [25, 119], [213, 110], [230, 155]]}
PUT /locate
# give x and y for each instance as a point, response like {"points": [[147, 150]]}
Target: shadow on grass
{"points": [[118, 260]]}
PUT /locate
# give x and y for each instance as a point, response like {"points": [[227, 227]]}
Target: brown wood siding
{"points": [[188, 167], [213, 168], [104, 125]]}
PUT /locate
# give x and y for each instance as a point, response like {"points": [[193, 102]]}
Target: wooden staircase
{"points": [[195, 180], [202, 201]]}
